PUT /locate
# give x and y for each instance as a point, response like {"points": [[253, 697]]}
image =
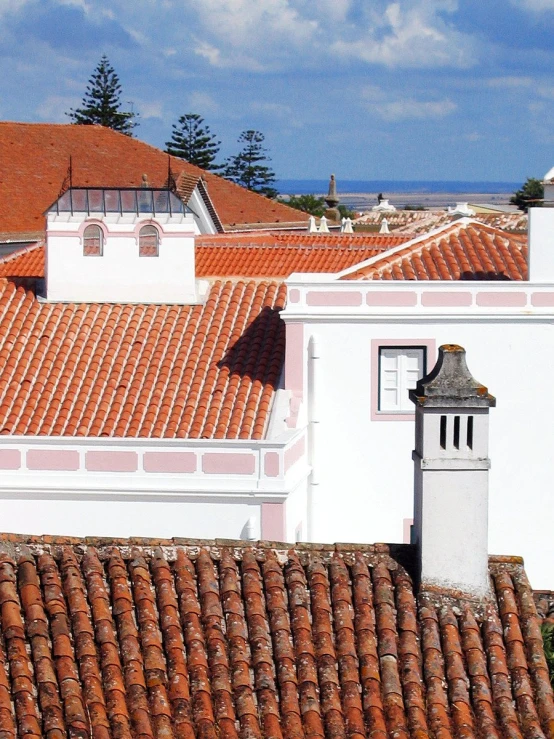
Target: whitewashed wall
{"points": [[364, 468], [121, 275]]}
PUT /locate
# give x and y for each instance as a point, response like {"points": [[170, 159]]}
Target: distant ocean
{"points": [[304, 187]]}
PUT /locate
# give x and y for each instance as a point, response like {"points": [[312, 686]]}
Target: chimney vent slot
{"points": [[456, 432], [443, 432], [470, 432]]}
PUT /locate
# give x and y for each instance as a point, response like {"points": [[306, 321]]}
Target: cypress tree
{"points": [[248, 168], [101, 103], [193, 141]]}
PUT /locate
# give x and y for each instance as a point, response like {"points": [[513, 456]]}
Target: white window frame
{"points": [[407, 412]]}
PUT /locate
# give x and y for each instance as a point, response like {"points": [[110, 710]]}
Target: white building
{"points": [[156, 405]]}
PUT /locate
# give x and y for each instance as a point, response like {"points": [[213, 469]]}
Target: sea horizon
{"points": [[318, 187]]}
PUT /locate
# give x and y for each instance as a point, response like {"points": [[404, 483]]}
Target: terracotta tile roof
{"points": [[26, 262], [257, 255], [419, 222], [171, 371], [279, 255], [465, 250], [34, 159], [136, 638]]}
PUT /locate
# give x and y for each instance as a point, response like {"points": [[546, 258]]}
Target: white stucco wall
{"points": [[121, 275], [157, 518], [364, 467]]}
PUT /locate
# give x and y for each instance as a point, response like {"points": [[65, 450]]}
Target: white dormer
{"points": [[451, 460], [120, 245]]}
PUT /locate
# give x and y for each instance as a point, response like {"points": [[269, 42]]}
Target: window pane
{"points": [[95, 202], [79, 200], [93, 241], [148, 241], [399, 370], [128, 201], [111, 198]]}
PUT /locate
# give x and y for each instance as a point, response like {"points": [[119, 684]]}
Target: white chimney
{"points": [[541, 235], [451, 470]]}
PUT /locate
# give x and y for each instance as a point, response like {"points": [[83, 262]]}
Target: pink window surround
{"points": [[429, 344], [273, 521]]}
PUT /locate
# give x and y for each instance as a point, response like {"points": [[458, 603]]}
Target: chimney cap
{"points": [[450, 384]]}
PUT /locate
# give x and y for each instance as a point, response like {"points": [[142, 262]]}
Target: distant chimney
{"points": [[541, 235], [451, 469]]}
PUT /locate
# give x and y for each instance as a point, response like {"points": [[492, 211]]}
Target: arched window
{"points": [[149, 241], [93, 241]]}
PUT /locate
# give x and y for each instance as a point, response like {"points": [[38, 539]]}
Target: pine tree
{"points": [[530, 195], [247, 168], [101, 103], [194, 142]]}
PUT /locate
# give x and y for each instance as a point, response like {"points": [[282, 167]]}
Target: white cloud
{"points": [[54, 108], [273, 109], [391, 108], [147, 108], [411, 35], [510, 82], [536, 6], [401, 110], [203, 102]]}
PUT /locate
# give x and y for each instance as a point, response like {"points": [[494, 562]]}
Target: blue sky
{"points": [[368, 89]]}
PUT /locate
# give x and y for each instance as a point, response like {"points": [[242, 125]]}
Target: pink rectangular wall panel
{"points": [[111, 461], [53, 459], [392, 298], [228, 464], [542, 300], [10, 459], [502, 299], [295, 453], [294, 295], [446, 299], [336, 299], [294, 357], [273, 521], [175, 462], [271, 464]]}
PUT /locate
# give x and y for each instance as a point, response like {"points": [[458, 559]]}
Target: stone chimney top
{"points": [[450, 384]]}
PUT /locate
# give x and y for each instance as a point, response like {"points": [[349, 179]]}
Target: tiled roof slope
{"points": [[26, 262], [171, 371], [263, 255], [224, 640], [418, 222], [34, 160], [466, 250]]}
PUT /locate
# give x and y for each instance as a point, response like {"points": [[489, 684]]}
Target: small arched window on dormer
{"points": [[149, 241], [93, 241]]}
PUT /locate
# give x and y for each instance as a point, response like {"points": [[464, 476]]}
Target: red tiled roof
{"points": [[279, 255], [130, 639], [419, 222], [34, 160], [26, 262], [171, 371], [466, 250], [257, 255]]}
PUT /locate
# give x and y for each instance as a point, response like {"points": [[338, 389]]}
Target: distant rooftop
{"points": [[118, 200]]}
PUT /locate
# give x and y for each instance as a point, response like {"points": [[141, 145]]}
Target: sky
{"points": [[367, 89]]}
